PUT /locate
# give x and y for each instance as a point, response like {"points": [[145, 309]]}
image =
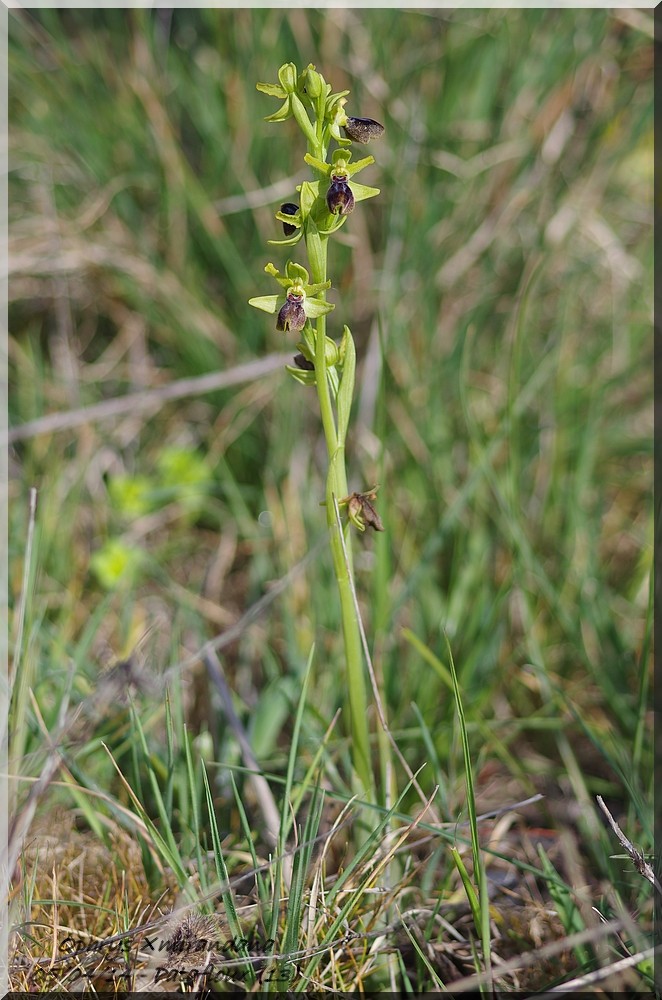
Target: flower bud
{"points": [[339, 197], [363, 129], [302, 362], [287, 74], [331, 352], [312, 82], [292, 315], [289, 208]]}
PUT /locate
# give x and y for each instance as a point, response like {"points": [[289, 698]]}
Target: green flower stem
{"points": [[298, 95], [336, 488]]}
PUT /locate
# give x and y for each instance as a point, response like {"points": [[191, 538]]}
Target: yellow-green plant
{"points": [[324, 205]]}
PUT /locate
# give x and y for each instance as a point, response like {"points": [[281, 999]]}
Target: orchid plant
{"points": [[324, 204]]}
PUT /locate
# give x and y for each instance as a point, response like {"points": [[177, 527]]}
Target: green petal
{"points": [[319, 286], [284, 282], [320, 165], [353, 168]]}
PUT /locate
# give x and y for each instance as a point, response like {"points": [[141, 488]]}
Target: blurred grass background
{"points": [[500, 293]]}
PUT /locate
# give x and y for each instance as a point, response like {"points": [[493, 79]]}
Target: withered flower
{"points": [[363, 129], [362, 511]]}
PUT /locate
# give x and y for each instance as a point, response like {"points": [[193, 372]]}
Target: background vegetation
{"points": [[500, 293]]}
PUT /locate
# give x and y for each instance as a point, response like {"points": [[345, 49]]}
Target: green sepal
{"points": [[346, 388], [283, 113], [289, 241], [267, 303], [320, 165], [302, 376], [317, 307], [297, 272], [362, 191]]}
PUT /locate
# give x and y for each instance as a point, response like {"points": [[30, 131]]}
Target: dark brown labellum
{"points": [[292, 315], [289, 208], [302, 362], [339, 197], [363, 129]]}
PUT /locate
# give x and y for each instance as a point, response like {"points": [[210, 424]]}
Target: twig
{"points": [[638, 859], [146, 399], [595, 977]]}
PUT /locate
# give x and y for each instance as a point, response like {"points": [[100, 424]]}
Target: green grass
{"points": [[500, 294]]}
